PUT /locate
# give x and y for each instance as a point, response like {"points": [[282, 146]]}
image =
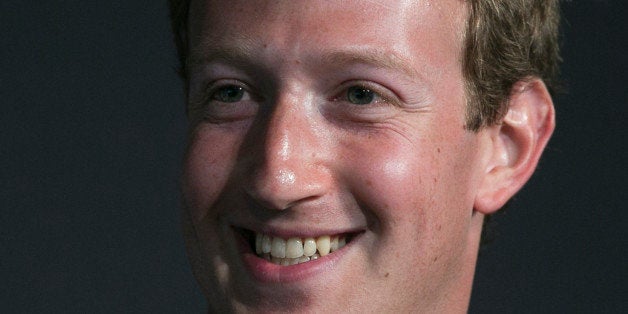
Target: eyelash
{"points": [[208, 105], [211, 107], [383, 95], [213, 90]]}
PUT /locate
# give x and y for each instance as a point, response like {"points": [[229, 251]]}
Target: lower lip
{"points": [[267, 272]]}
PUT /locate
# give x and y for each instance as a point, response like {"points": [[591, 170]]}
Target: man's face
{"points": [[331, 118]]}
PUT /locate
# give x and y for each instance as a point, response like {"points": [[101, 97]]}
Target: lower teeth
{"points": [[289, 261]]}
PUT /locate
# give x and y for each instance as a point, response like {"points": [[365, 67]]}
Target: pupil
{"points": [[360, 95], [230, 94]]}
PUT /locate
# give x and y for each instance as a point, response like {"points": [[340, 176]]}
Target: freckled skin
{"points": [[406, 172]]}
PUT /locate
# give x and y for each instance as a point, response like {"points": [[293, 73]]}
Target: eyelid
{"points": [[201, 101], [213, 86], [385, 94]]}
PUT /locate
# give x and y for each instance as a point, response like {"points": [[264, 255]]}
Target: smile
{"points": [[293, 250], [282, 255], [296, 250]]}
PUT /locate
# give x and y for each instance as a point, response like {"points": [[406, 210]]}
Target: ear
{"points": [[516, 144]]}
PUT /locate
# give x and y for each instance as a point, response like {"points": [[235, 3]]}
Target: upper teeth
{"points": [[296, 250]]}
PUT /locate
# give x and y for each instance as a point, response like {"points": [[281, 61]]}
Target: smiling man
{"points": [[343, 155]]}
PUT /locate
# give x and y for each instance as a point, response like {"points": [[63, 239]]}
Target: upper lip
{"points": [[298, 230]]}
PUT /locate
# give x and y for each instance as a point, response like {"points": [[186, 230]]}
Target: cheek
{"points": [[420, 198], [207, 163], [426, 186], [388, 179]]}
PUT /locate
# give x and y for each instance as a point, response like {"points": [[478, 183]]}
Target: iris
{"points": [[359, 95], [230, 93]]}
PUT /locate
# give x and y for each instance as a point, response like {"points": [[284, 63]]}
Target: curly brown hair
{"points": [[506, 41]]}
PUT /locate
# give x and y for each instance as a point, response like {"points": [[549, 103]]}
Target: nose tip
{"points": [[288, 165], [286, 174], [283, 188]]}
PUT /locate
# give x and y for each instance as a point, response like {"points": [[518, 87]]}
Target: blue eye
{"points": [[360, 95], [229, 93]]}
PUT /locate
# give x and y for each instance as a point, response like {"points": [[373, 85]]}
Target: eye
{"points": [[360, 95], [224, 101], [362, 101], [229, 94]]}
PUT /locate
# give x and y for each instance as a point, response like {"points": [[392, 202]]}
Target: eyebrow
{"points": [[375, 58], [244, 54], [241, 54]]}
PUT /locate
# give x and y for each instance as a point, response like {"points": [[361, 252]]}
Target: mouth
{"points": [[296, 249]]}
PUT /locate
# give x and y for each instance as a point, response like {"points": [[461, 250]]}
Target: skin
{"points": [[294, 155]]}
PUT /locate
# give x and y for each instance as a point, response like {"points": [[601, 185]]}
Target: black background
{"points": [[92, 130]]}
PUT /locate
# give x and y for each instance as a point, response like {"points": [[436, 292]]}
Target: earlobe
{"points": [[516, 145]]}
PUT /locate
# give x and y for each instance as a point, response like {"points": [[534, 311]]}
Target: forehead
{"points": [[429, 30]]}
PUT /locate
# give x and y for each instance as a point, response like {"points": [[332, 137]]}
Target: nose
{"points": [[288, 166]]}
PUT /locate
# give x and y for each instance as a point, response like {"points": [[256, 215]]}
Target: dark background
{"points": [[91, 135]]}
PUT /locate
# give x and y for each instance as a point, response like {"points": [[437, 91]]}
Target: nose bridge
{"points": [[283, 153], [288, 170]]}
